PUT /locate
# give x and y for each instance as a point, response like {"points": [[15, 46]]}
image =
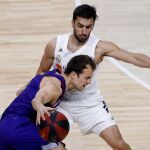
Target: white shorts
{"points": [[90, 119]]}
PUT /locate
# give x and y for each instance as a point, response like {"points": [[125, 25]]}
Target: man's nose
{"points": [[84, 30]]}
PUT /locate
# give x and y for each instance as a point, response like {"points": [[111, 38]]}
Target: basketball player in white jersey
{"points": [[88, 108]]}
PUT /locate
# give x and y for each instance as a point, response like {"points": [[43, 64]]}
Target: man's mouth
{"points": [[84, 85], [83, 36]]}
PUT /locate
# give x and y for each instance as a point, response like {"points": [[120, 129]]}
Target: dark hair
{"points": [[79, 63], [85, 11]]}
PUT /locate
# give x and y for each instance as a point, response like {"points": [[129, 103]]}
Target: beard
{"points": [[80, 39]]}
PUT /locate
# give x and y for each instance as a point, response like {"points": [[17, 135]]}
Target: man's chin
{"points": [[81, 89], [82, 40]]}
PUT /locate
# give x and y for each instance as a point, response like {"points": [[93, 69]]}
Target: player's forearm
{"points": [[39, 100], [35, 104], [142, 61], [38, 105], [39, 71], [43, 68]]}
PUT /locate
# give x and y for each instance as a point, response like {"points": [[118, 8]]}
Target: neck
{"points": [[74, 40], [74, 44], [69, 85]]}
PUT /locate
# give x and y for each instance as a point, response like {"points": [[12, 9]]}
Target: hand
{"points": [[41, 111]]}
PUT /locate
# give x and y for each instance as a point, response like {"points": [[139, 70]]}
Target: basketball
{"points": [[55, 127]]}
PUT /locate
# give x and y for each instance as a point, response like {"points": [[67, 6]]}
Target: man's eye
{"points": [[88, 27], [88, 78], [80, 26]]}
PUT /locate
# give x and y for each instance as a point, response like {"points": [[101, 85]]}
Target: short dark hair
{"points": [[79, 63], [85, 11]]}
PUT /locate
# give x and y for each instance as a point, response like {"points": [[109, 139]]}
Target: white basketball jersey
{"points": [[63, 55]]}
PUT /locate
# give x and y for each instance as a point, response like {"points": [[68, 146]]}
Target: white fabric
{"points": [[64, 55], [50, 146], [83, 107], [89, 119]]}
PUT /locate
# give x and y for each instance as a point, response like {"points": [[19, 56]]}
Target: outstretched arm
{"points": [[112, 50]]}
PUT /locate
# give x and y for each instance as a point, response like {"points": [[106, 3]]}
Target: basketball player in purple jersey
{"points": [[18, 130]]}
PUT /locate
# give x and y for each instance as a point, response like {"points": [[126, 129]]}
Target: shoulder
{"points": [[51, 44], [52, 84]]}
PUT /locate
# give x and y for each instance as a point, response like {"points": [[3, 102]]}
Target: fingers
{"points": [[42, 116], [41, 113], [47, 113], [38, 119]]}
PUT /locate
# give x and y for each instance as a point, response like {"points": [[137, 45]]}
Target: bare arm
{"points": [[48, 57], [112, 50], [49, 92]]}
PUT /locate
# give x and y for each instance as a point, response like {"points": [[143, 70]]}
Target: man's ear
{"points": [[73, 75]]}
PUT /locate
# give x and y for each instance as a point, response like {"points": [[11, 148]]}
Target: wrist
{"points": [[35, 104]]}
